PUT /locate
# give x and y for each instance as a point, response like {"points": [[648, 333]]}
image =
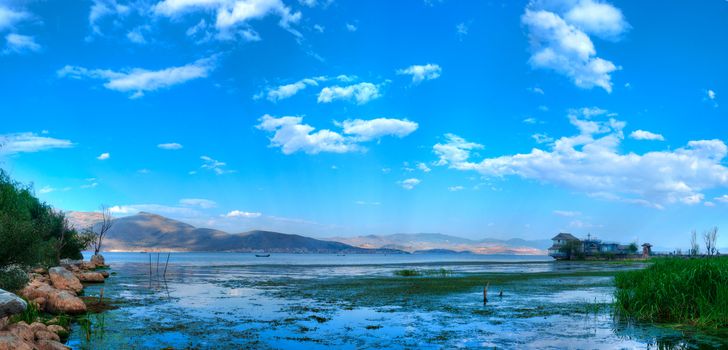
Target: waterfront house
{"points": [[567, 246]]}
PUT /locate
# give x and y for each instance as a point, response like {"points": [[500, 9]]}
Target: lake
{"points": [[321, 301]]}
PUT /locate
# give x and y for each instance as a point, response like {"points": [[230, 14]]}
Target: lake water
{"points": [[319, 301]]}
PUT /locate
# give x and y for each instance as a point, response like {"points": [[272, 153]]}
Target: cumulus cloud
{"points": [[559, 36], [243, 214], [423, 167], [137, 81], [361, 93], [350, 27], [455, 188], [104, 8], [591, 162], [421, 73], [197, 202], [231, 15], [409, 184], [104, 156], [30, 142], [9, 17], [291, 135], [646, 135], [170, 146]]}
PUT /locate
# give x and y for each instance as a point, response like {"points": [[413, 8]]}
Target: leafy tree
{"points": [[572, 249]]}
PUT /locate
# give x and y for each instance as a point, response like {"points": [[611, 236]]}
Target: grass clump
{"points": [[441, 272], [684, 291], [407, 273]]}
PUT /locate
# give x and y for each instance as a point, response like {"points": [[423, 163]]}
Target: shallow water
{"points": [[290, 301]]}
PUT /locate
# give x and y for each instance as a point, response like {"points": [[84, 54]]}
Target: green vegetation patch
{"points": [[672, 290]]}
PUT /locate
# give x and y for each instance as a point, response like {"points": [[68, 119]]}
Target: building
{"points": [[567, 246]]}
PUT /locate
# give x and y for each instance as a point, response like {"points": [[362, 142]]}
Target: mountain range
{"points": [[150, 232]]}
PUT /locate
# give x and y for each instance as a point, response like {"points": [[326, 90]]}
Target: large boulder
{"points": [[62, 301], [10, 341], [98, 260], [50, 345], [90, 277], [22, 330], [64, 279], [37, 289], [11, 304]]}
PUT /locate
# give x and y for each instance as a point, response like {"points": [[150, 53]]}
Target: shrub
{"points": [[12, 279], [674, 290]]}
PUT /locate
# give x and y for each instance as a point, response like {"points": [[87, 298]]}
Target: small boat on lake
{"points": [[262, 255]]}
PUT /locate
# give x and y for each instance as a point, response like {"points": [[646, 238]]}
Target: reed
{"points": [[674, 290]]}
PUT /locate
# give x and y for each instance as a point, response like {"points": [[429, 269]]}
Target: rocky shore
{"points": [[54, 291]]}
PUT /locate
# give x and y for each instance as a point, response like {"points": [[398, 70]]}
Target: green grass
{"points": [[29, 315], [441, 272], [684, 291]]}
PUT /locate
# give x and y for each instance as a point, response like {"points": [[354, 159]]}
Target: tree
{"points": [[694, 247], [104, 226], [632, 248], [710, 237], [572, 249]]}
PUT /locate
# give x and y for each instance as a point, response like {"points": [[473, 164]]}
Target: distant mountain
{"points": [[151, 232], [82, 219], [434, 242]]}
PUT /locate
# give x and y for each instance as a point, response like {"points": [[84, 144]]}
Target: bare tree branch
{"points": [[106, 222]]}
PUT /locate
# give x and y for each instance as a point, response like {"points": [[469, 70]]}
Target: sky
{"points": [[341, 118]]}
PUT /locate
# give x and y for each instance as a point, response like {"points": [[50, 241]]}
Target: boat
{"points": [[262, 255]]}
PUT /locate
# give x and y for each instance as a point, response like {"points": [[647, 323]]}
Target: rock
{"points": [[11, 304], [104, 273], [56, 329], [3, 322], [69, 262], [39, 270], [37, 326], [88, 265], [41, 335], [40, 302], [22, 330], [62, 301], [50, 345], [64, 279], [10, 341], [98, 260], [37, 289], [92, 277]]}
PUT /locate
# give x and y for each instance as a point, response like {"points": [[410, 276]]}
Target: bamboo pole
{"points": [[164, 275]]}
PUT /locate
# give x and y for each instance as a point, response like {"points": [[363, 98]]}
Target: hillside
{"points": [[422, 242]]}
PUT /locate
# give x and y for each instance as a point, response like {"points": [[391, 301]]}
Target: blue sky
{"points": [[325, 118]]}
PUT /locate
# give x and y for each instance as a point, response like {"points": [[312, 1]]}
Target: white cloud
{"points": [[590, 162], [361, 93], [231, 15], [350, 27], [536, 90], [542, 138], [170, 146], [177, 212], [104, 8], [423, 167], [530, 120], [29, 142], [285, 91], [566, 213], [104, 156], [138, 81], [722, 199], [20, 43], [136, 36], [455, 150], [559, 40], [197, 202], [461, 29], [291, 135], [710, 94], [365, 130], [455, 188], [49, 189], [10, 17], [214, 165], [420, 73], [646, 135], [243, 214], [409, 184]]}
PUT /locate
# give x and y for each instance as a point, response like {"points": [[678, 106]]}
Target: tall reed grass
{"points": [[674, 290]]}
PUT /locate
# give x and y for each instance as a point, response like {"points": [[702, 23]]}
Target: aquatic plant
{"points": [[407, 273], [673, 290], [441, 272]]}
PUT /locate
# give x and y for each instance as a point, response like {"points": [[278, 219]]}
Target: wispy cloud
{"points": [[198, 202], [170, 146], [17, 43], [243, 214], [104, 156], [30, 142], [216, 166], [138, 81], [409, 184], [361, 93]]}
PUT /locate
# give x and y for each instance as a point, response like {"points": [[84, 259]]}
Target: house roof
{"points": [[565, 236]]}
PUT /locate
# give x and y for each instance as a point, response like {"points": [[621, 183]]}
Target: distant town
{"points": [[568, 247]]}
